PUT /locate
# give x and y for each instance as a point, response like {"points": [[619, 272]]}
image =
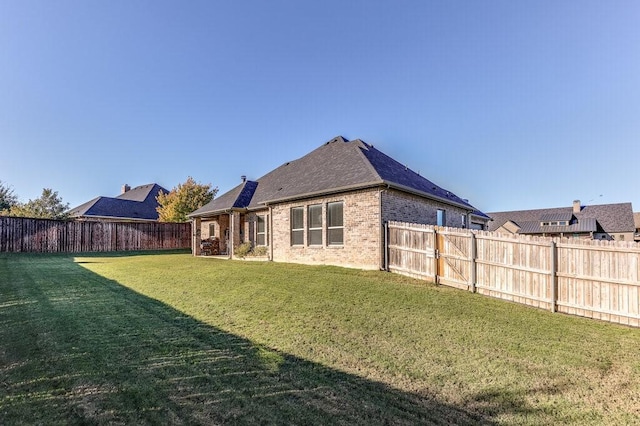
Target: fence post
{"points": [[386, 246], [554, 275], [472, 266], [436, 255]]}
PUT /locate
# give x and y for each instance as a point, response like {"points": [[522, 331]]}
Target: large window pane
{"points": [[334, 213], [335, 237]]}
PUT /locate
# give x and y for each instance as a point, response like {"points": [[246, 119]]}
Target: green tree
{"points": [[184, 199], [8, 198], [48, 206]]}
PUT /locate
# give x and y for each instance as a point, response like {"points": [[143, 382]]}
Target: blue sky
{"points": [[513, 105]]}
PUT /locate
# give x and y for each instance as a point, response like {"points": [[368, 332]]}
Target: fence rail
{"points": [[596, 279], [29, 235]]}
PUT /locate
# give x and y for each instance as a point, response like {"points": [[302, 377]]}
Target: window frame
{"points": [[441, 217], [297, 231], [261, 219], [314, 230], [330, 227]]}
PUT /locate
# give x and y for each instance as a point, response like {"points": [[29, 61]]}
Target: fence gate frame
{"points": [[455, 254]]}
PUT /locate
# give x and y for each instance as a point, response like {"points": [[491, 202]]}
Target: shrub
{"points": [[242, 250], [260, 251]]}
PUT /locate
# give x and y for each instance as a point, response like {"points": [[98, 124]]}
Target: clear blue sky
{"points": [[511, 104]]}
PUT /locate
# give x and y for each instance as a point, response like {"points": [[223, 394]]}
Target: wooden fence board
{"points": [[19, 234], [595, 279]]}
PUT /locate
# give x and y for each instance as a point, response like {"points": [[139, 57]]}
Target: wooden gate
{"points": [[455, 254]]}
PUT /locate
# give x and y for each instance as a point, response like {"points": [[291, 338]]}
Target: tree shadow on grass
{"points": [[81, 349]]}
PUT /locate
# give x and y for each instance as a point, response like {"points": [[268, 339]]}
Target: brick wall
{"points": [[362, 232], [404, 207]]}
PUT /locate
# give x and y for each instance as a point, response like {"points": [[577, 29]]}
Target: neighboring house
{"points": [[599, 222], [329, 207], [135, 205]]}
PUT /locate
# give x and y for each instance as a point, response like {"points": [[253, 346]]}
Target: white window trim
{"points": [[321, 228], [297, 229], [329, 244]]}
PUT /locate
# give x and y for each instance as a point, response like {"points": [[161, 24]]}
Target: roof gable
{"points": [[138, 203], [237, 198], [336, 166]]}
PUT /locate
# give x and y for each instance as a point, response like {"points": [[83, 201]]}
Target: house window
{"points": [[212, 230], [314, 217], [261, 231], [464, 220], [442, 217], [621, 237], [297, 226], [335, 224]]}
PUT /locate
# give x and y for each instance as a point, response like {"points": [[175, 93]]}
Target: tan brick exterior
{"points": [[362, 232], [364, 215], [405, 207]]}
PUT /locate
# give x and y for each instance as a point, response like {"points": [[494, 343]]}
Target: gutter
{"points": [[217, 212]]}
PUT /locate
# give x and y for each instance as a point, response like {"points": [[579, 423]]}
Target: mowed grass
{"points": [[173, 339]]}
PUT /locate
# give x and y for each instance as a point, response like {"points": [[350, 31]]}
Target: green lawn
{"points": [[169, 338]]}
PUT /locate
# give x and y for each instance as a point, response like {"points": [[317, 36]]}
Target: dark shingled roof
{"points": [[607, 218], [138, 203], [587, 224], [337, 166]]}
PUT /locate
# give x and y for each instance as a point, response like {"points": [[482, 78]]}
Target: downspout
{"points": [[385, 229], [270, 233], [230, 241]]}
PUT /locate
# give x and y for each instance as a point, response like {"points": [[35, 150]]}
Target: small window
{"points": [[212, 230], [261, 231], [442, 217], [464, 220], [621, 237], [297, 226], [314, 217], [335, 223]]}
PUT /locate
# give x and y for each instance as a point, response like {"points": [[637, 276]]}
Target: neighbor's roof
{"points": [[137, 203], [581, 226], [599, 218], [337, 166]]}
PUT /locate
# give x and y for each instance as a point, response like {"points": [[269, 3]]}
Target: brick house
{"points": [[329, 207], [596, 222]]}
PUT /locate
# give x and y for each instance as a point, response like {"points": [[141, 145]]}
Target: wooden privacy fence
{"points": [[19, 234], [596, 279]]}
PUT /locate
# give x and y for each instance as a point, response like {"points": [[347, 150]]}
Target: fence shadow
{"points": [[84, 349]]}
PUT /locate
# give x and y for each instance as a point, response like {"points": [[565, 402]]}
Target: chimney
{"points": [[244, 178], [576, 206], [125, 188]]}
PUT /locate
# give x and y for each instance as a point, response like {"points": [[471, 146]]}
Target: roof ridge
{"points": [[366, 160]]}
